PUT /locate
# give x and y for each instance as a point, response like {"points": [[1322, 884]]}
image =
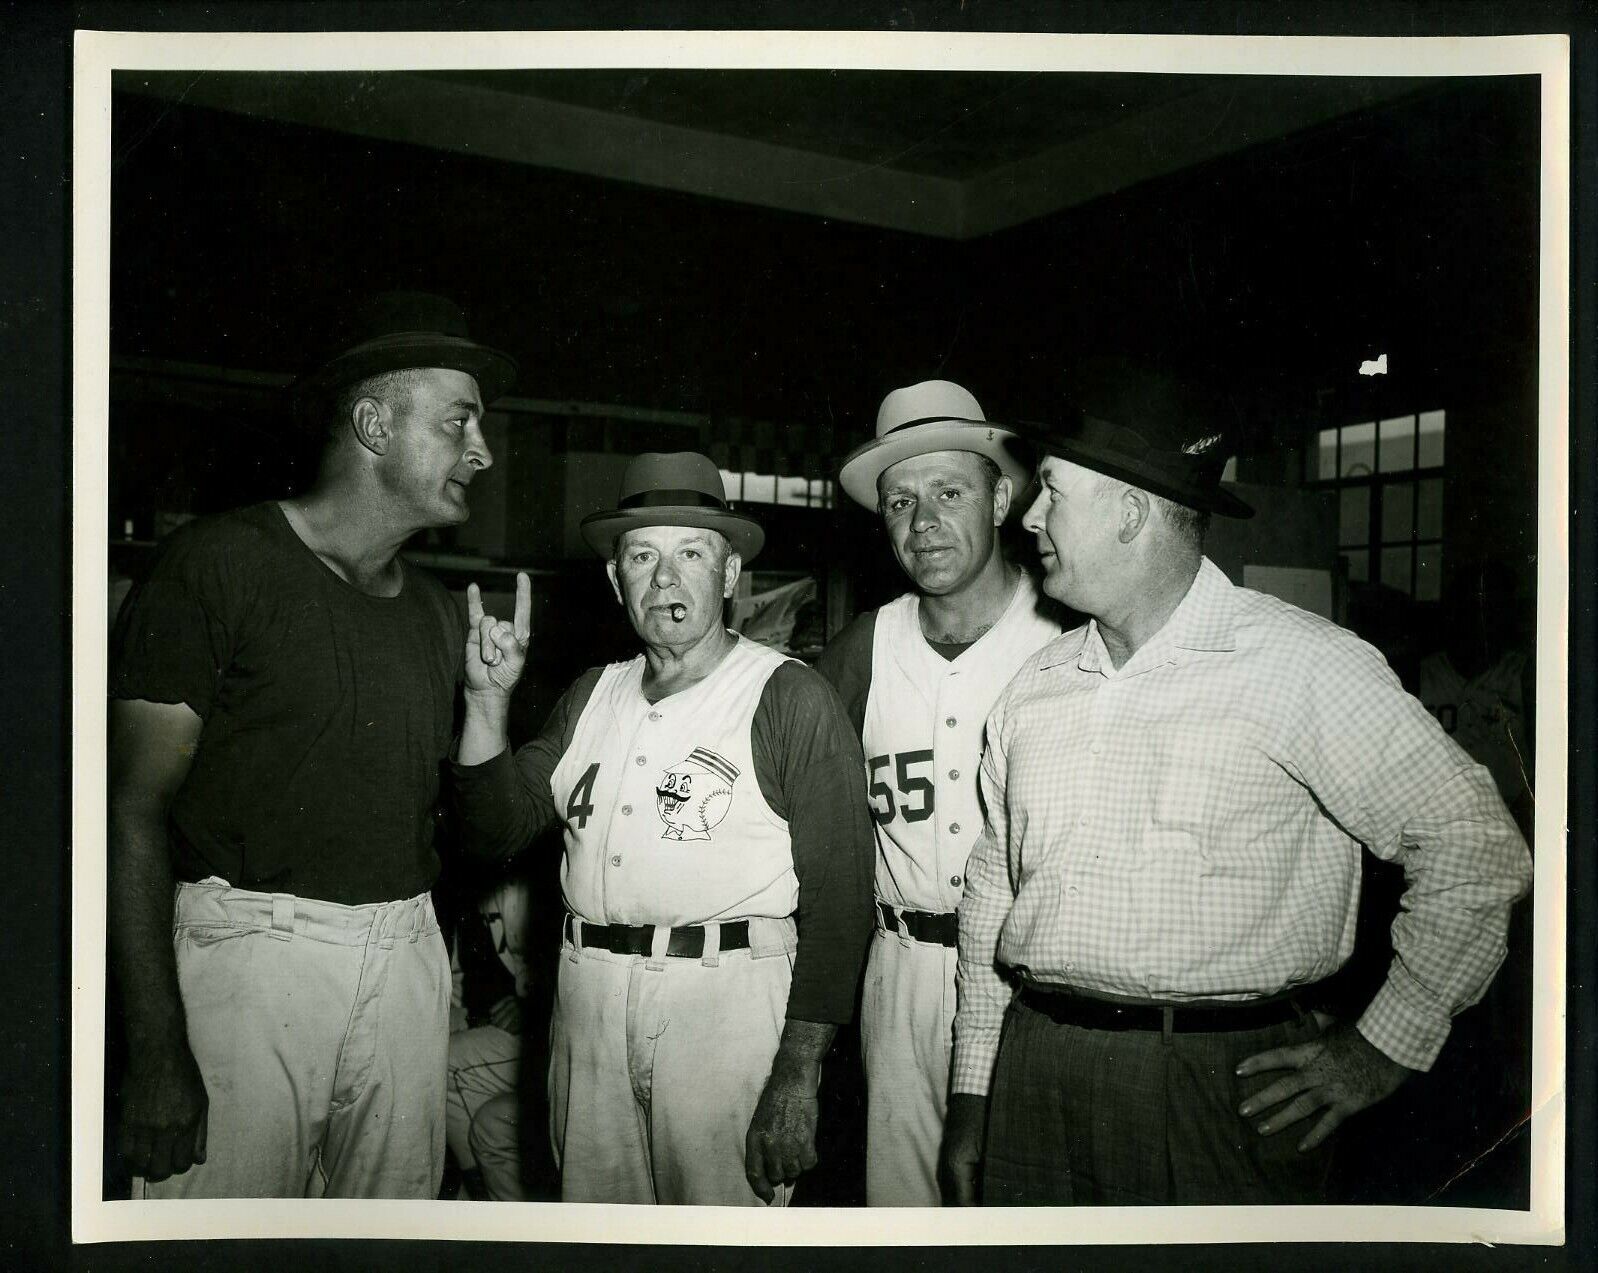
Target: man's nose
{"points": [[1033, 520], [477, 453], [665, 575], [924, 517]]}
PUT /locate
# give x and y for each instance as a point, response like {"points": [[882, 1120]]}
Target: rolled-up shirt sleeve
{"points": [[981, 993], [1385, 770], [502, 804], [811, 772]]}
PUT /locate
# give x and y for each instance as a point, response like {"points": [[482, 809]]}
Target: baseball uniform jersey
{"points": [[921, 717]]}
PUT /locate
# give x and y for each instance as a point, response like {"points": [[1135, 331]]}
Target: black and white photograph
{"points": [[943, 637]]}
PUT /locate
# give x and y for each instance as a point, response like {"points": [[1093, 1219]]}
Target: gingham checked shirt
{"points": [[1189, 826]]}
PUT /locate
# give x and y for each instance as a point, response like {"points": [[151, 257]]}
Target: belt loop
{"points": [[659, 944], [573, 934], [283, 916], [712, 950], [1167, 1025]]}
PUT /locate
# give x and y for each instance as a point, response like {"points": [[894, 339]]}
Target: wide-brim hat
{"points": [[935, 415], [394, 331], [1139, 424], [679, 488]]}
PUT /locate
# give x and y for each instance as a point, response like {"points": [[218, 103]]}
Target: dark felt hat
{"points": [[397, 330], [1142, 425], [679, 488]]}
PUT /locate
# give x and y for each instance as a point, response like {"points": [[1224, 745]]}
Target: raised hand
{"points": [[496, 651]]}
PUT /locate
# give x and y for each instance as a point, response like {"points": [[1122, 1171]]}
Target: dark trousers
{"points": [[1100, 1117]]}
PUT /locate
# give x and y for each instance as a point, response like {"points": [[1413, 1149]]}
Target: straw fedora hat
{"points": [[935, 415]]}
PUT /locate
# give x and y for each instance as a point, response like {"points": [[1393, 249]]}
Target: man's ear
{"points": [[1135, 513], [1003, 493], [730, 570], [372, 422], [615, 582]]}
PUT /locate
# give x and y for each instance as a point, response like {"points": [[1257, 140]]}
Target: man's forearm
{"points": [[484, 734], [140, 880], [804, 1044]]}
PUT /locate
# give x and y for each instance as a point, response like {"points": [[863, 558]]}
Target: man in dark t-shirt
{"points": [[282, 689]]}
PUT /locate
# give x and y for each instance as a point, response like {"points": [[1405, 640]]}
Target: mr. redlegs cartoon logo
{"points": [[694, 796]]}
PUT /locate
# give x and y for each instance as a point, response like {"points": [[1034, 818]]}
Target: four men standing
{"points": [[1158, 867]]}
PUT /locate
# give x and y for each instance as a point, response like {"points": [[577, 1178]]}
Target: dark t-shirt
{"points": [[327, 712], [808, 765]]}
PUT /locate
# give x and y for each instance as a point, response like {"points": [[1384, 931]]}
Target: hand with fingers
{"points": [[781, 1142], [496, 651], [1336, 1075], [164, 1112]]}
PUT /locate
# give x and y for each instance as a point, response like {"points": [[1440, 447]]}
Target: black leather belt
{"points": [[1065, 1008], [686, 942], [940, 930]]}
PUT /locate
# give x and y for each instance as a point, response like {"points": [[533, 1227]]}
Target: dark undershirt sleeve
{"points": [[502, 804], [846, 663], [810, 770]]}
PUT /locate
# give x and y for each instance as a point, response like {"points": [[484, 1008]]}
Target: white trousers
{"points": [[656, 1064], [906, 1035], [321, 1033], [484, 1063]]}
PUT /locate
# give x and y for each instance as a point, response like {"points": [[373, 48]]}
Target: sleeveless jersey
{"points": [[923, 735], [664, 819]]}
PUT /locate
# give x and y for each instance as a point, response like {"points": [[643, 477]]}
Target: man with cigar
{"points": [[919, 677], [717, 865], [282, 692], [1177, 794]]}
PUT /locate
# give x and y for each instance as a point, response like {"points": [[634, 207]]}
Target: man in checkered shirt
{"points": [[1176, 797]]}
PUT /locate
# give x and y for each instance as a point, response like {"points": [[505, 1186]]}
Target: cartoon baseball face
{"points": [[694, 796]]}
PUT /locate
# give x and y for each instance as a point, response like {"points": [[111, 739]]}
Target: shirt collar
{"points": [[1205, 619]]}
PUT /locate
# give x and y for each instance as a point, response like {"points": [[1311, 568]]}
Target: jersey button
{"points": [[641, 760], [954, 775], [1072, 890], [954, 881], [627, 808], [951, 722], [616, 860], [654, 715], [954, 828]]}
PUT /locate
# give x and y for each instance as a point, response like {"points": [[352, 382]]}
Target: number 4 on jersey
{"points": [[581, 805]]}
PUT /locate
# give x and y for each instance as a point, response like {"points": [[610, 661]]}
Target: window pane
{"points": [[1431, 440], [1395, 568], [793, 490], [734, 483], [1397, 449], [760, 488], [1325, 456], [1398, 512], [1354, 516], [1428, 572], [1358, 566], [818, 492], [1429, 519], [1359, 450]]}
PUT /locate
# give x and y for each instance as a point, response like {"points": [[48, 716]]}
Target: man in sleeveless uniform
{"points": [[282, 692], [717, 864], [919, 677]]}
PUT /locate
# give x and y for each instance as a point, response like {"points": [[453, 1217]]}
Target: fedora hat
{"points": [[393, 331], [1142, 425], [935, 415], [679, 488]]}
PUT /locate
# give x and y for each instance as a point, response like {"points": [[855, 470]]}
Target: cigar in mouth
{"points": [[679, 612]]}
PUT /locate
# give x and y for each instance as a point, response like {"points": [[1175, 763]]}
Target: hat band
{"points": [[676, 497], [932, 419]]}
